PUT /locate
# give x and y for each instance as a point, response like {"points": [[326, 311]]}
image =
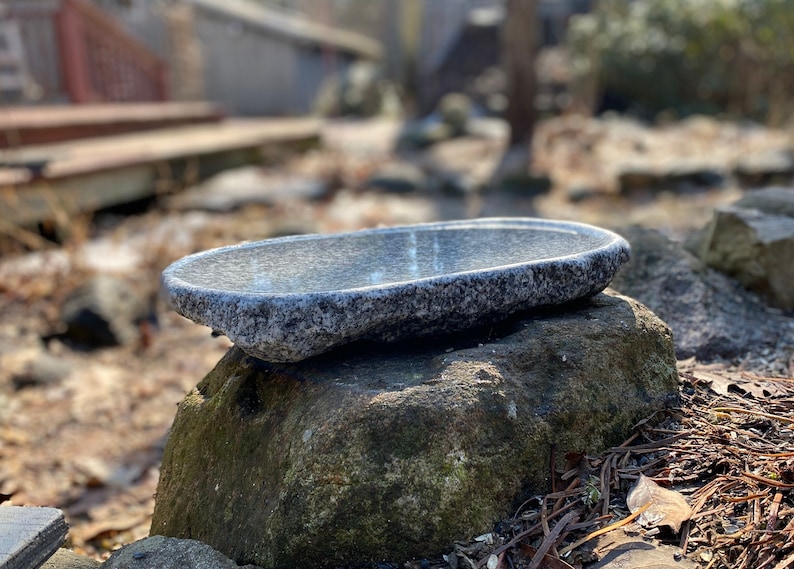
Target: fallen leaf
{"points": [[668, 508], [760, 388], [723, 384]]}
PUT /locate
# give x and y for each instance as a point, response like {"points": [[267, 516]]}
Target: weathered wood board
{"points": [[29, 536]]}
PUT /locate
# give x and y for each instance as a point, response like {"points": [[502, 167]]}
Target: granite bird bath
{"points": [[287, 299]]}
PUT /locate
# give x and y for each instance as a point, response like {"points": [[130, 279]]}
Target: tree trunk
{"points": [[519, 48]]}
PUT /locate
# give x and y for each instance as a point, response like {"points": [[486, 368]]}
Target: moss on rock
{"points": [[393, 452]]}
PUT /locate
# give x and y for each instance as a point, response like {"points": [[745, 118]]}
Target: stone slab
{"points": [[158, 552], [756, 249], [620, 550], [287, 299], [239, 187], [29, 536]]}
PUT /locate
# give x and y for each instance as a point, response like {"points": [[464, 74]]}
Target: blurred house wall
{"points": [[253, 59]]}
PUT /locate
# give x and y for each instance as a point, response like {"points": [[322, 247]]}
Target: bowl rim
{"points": [[176, 286]]}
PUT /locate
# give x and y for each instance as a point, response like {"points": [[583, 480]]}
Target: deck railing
{"points": [[96, 60]]}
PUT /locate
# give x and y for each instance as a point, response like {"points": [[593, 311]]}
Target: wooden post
{"points": [[73, 57], [162, 93], [519, 44], [410, 26]]}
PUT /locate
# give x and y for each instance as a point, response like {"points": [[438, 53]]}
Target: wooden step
{"points": [[32, 125], [91, 174], [29, 536]]}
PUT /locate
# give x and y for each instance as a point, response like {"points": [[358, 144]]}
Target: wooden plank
{"points": [[29, 536], [64, 115], [52, 124]]}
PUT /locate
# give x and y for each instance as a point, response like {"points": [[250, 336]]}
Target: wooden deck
{"points": [[22, 126], [54, 180]]}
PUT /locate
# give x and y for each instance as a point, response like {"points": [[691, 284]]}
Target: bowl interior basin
{"points": [[314, 264]]}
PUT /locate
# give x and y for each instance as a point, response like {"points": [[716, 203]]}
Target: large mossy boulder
{"points": [[390, 452]]}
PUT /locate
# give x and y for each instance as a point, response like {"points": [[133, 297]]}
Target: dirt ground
{"points": [[90, 442]]}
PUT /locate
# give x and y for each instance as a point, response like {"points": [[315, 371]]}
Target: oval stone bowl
{"points": [[290, 298]]}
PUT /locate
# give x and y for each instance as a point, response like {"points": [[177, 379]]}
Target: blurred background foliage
{"points": [[730, 58]]}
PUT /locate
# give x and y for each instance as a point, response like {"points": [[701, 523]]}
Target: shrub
{"points": [[704, 56]]}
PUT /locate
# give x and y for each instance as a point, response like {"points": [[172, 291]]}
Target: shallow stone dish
{"points": [[290, 298]]}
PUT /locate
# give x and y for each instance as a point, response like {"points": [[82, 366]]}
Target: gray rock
{"points": [[774, 200], [756, 248], [577, 193], [424, 133], [451, 118], [621, 551], [455, 110], [458, 184], [764, 167], [686, 175], [488, 127], [42, 369], [68, 559], [233, 189], [158, 552], [388, 452], [398, 177], [104, 311], [632, 178], [358, 91], [711, 315], [29, 536], [292, 298], [513, 173], [680, 175], [464, 165]]}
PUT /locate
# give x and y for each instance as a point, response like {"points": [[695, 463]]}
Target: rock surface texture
{"points": [[753, 241], [160, 552], [68, 559], [710, 314], [387, 452]]}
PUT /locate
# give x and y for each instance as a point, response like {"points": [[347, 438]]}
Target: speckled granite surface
{"points": [[290, 298]]}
